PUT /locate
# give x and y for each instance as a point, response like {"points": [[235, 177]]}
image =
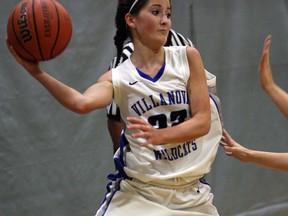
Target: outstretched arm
{"points": [[268, 159], [96, 96], [278, 95]]}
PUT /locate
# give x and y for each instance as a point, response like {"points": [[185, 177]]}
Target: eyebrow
{"points": [[159, 5]]}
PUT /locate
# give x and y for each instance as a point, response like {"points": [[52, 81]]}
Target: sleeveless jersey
{"points": [[163, 102], [174, 39]]}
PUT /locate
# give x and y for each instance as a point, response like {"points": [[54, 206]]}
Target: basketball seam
{"points": [[58, 30], [19, 42], [36, 31]]}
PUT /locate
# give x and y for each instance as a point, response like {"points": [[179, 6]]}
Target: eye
{"points": [[168, 15], [155, 12]]}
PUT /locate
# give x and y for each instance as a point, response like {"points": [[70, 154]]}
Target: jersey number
{"points": [[160, 121]]}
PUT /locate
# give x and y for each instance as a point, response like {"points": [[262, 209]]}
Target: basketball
{"points": [[39, 30]]}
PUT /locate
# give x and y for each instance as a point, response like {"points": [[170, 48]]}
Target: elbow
{"points": [[80, 111], [81, 108], [207, 128], [87, 106], [205, 125]]}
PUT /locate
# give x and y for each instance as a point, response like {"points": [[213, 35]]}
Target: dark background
{"points": [[55, 162]]}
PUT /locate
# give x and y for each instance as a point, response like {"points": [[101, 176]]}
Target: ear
{"points": [[130, 20]]}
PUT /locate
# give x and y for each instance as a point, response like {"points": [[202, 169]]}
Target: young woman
{"points": [[273, 160], [171, 126], [113, 113]]}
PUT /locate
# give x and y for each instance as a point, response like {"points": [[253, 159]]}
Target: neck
{"points": [[144, 55], [148, 60]]}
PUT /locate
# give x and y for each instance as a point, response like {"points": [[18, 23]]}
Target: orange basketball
{"points": [[39, 30]]}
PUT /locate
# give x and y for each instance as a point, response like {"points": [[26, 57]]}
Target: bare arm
{"points": [[113, 121], [278, 95], [96, 96], [115, 129], [191, 129], [268, 159]]}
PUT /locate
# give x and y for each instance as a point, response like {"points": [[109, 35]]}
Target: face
{"points": [[152, 24]]}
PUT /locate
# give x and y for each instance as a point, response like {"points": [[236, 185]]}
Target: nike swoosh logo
{"points": [[133, 83]]}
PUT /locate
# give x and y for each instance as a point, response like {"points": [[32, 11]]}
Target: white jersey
{"points": [[174, 39], [162, 101]]}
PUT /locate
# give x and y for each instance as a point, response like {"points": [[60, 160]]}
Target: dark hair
{"points": [[123, 32]]}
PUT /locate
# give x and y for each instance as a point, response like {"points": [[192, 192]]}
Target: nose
{"points": [[164, 19]]}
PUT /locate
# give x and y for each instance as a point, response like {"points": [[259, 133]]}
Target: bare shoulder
{"points": [[105, 77], [194, 57], [192, 52]]}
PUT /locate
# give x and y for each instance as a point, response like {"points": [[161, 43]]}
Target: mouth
{"points": [[164, 31]]}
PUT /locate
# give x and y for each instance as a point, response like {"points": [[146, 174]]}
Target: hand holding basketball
{"points": [[39, 30], [30, 66]]}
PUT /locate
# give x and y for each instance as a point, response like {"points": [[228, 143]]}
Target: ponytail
{"points": [[123, 31]]}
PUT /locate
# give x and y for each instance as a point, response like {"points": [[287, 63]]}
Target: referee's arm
{"points": [[113, 113]]}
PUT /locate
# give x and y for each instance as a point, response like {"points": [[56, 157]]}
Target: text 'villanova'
{"points": [[152, 101]]}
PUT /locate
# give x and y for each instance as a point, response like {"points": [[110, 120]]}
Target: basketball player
{"points": [[280, 97], [113, 112], [172, 127]]}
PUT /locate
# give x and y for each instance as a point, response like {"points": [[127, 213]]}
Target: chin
{"points": [[163, 39]]}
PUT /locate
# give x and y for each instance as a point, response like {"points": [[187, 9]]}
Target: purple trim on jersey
{"points": [[156, 78], [112, 188], [119, 161], [215, 103], [115, 178]]}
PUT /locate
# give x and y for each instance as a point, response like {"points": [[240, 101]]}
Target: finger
{"points": [[144, 144], [227, 136], [228, 153], [223, 143], [266, 51], [12, 51], [147, 143], [267, 43], [140, 135], [134, 120], [10, 47], [138, 127], [228, 150], [223, 140], [225, 131]]}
